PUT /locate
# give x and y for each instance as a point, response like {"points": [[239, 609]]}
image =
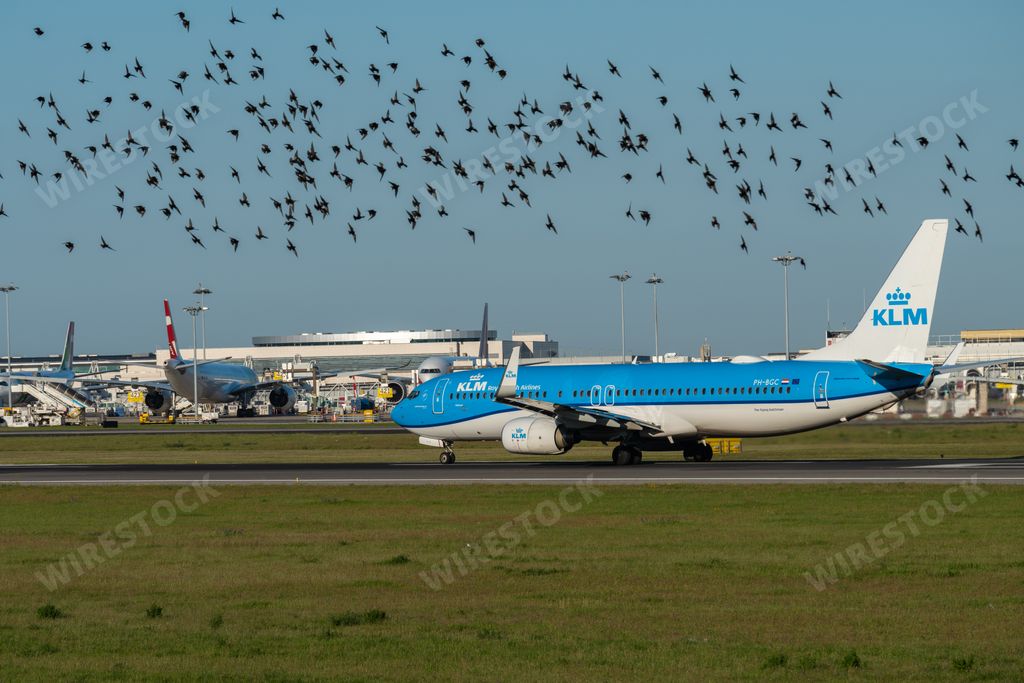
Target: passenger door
{"points": [[439, 389], [821, 389]]}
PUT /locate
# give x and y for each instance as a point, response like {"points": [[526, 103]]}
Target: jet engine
{"points": [[158, 400], [535, 436], [282, 397], [392, 391]]}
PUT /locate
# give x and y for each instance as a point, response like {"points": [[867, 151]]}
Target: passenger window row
{"points": [[688, 391]]}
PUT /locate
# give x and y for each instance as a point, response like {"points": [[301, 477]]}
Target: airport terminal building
{"points": [[361, 350]]}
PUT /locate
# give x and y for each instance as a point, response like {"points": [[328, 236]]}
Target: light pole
{"points": [[195, 311], [786, 262], [203, 291], [622, 307], [7, 289], [655, 280]]}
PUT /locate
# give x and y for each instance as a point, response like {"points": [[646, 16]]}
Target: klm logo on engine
{"points": [[898, 311]]}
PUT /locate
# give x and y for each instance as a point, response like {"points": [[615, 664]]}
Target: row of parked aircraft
{"points": [[210, 381]]}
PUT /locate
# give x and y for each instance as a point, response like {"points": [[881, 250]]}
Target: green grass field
{"points": [[652, 583], [878, 440]]}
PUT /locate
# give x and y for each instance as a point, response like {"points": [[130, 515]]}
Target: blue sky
{"points": [[895, 64]]}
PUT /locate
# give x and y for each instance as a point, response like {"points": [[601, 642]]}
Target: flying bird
{"points": [[550, 225]]}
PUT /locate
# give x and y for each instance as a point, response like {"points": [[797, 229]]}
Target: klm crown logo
{"points": [[898, 298], [898, 311]]}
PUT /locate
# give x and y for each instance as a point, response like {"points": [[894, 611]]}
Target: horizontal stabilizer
{"points": [[185, 366], [890, 370]]}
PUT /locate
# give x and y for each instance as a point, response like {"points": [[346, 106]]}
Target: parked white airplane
{"points": [[15, 388]]}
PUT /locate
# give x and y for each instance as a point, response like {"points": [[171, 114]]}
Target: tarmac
{"points": [[937, 471]]}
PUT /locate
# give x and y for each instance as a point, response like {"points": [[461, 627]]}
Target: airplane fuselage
{"points": [[217, 382], [718, 399]]}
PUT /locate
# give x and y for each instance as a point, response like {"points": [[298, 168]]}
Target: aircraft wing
{"points": [[185, 366], [163, 386], [585, 416], [960, 367], [259, 386], [369, 372]]}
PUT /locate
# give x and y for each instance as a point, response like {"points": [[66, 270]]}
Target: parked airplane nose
{"points": [[398, 413]]}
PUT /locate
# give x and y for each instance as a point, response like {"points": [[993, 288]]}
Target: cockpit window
{"points": [[414, 393]]}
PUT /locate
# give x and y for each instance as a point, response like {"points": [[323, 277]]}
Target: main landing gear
{"points": [[626, 455], [698, 452], [447, 455]]}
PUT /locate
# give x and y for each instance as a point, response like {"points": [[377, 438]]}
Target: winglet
{"points": [[954, 355], [507, 388]]}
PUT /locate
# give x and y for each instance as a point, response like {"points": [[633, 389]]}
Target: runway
{"points": [[180, 430], [941, 471], [299, 425]]}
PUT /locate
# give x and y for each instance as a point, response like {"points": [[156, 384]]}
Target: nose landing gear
{"points": [[447, 454]]}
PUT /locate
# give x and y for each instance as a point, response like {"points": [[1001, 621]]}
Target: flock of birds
{"points": [[293, 142]]}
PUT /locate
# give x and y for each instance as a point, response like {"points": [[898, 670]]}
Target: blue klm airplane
{"points": [[545, 410]]}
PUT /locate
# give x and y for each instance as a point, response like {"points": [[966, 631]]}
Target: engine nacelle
{"points": [[392, 391], [282, 397], [158, 400], [535, 436]]}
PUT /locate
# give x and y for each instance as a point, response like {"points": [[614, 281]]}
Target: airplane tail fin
{"points": [[172, 342], [481, 355], [895, 327], [68, 357]]}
